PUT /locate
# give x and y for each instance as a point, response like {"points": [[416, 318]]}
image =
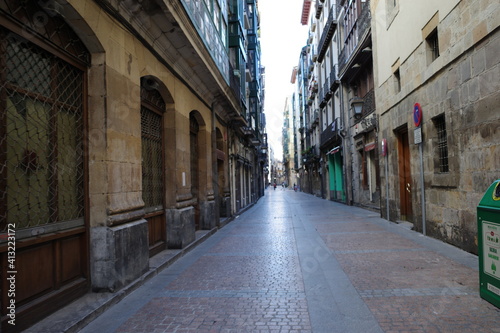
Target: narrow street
{"points": [[297, 263]]}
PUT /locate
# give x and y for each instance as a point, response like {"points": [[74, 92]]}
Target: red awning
{"points": [[370, 146]]}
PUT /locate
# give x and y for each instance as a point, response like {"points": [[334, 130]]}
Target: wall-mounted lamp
{"points": [[367, 49], [357, 106], [355, 66]]}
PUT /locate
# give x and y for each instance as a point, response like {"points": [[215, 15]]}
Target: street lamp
{"points": [[357, 106]]}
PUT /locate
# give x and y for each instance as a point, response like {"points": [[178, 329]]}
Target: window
{"points": [[397, 81], [442, 144], [42, 126], [152, 110], [352, 11], [391, 5], [432, 46]]}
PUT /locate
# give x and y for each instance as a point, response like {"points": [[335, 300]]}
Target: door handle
{"points": [[408, 187]]}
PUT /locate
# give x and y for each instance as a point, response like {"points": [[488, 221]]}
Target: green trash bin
{"points": [[488, 229]]}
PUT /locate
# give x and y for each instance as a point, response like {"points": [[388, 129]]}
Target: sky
{"points": [[282, 36]]}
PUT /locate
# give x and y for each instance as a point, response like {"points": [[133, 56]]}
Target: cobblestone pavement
{"points": [[297, 263]]}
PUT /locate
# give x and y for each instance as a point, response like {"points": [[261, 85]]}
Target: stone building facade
{"points": [[390, 58], [126, 127], [445, 62]]}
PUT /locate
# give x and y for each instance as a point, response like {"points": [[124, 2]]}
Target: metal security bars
{"points": [[152, 158], [41, 142], [442, 143]]}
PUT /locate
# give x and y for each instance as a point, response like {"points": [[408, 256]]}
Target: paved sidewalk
{"points": [[297, 263]]}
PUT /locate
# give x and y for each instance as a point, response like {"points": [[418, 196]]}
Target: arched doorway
{"points": [[194, 129], [153, 164], [199, 161], [222, 174], [43, 163]]}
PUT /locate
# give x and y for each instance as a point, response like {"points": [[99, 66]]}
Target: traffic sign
{"points": [[417, 114]]}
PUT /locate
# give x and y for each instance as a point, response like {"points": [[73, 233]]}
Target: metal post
{"points": [[422, 186]]}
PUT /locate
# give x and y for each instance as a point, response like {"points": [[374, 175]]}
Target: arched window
{"points": [[42, 128], [152, 109], [194, 129], [43, 92]]}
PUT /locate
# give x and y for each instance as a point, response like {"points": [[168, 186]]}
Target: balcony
{"points": [[326, 36], [252, 40], [306, 7], [330, 134], [234, 82], [363, 26], [314, 118], [313, 89], [369, 102], [254, 88], [326, 93], [334, 80], [319, 9], [310, 155]]}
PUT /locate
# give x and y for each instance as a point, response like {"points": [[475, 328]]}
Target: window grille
{"points": [[442, 144], [433, 44], [41, 140], [37, 19], [152, 158]]}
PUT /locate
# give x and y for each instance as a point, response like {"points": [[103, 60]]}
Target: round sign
{"points": [[417, 114], [384, 147]]}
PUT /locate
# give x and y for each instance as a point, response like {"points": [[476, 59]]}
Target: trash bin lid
{"points": [[491, 197]]}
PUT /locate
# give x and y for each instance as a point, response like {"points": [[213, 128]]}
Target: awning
{"points": [[370, 146], [334, 150]]}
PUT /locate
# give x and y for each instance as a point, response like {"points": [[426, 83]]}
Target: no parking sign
{"points": [[417, 120], [417, 115]]}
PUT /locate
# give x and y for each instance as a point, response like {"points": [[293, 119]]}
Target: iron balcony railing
{"points": [[326, 36], [363, 24], [330, 85], [314, 118], [330, 133], [369, 102], [334, 80], [319, 9]]}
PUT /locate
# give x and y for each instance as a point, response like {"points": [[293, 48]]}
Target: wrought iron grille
{"points": [[152, 158], [442, 144], [38, 18], [41, 143]]}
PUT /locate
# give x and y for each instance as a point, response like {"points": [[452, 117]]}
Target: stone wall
{"points": [[118, 230], [462, 85]]}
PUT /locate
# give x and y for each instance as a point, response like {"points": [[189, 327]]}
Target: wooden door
{"points": [[405, 182], [43, 177]]}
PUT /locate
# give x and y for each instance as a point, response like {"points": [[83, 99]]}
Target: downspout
{"points": [[343, 133], [215, 171]]}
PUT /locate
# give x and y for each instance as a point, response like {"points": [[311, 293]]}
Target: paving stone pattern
{"points": [[297, 263]]}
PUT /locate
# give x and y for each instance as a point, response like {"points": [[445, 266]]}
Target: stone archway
{"points": [[45, 135]]}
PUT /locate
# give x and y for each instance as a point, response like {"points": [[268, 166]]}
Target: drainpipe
{"points": [[215, 171], [345, 152]]}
